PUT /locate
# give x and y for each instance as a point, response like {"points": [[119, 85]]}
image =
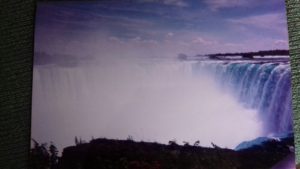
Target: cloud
{"points": [[202, 41], [142, 41], [170, 34], [233, 45], [218, 4], [281, 42], [115, 39], [270, 21], [222, 4], [178, 3], [75, 19]]}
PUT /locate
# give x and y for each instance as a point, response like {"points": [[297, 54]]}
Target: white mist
{"points": [[149, 99]]}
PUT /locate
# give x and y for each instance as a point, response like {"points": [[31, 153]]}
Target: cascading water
{"points": [[265, 87], [151, 99]]}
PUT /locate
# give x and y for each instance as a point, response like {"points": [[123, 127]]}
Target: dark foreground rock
{"points": [[287, 163], [127, 154]]}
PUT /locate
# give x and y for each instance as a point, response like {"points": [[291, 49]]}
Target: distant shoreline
{"points": [[266, 55]]}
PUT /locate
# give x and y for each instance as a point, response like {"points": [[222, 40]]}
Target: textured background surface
{"points": [[16, 51], [293, 14]]}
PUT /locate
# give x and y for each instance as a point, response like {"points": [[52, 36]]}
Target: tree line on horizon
{"points": [[276, 52], [249, 55]]}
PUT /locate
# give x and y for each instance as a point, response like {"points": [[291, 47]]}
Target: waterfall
{"points": [[150, 99], [265, 87]]}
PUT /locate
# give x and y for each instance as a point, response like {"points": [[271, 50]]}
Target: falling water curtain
{"points": [[16, 52]]}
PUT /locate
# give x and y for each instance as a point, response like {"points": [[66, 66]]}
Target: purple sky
{"points": [[160, 28]]}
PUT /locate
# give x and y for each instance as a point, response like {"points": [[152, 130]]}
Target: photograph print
{"points": [[161, 84]]}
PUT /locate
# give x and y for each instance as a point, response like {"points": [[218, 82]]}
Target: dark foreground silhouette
{"points": [[128, 154]]}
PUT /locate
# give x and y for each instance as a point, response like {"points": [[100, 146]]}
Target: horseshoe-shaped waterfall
{"points": [[263, 86]]}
